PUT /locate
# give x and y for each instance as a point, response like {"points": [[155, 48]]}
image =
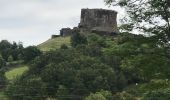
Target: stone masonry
{"points": [[100, 21]]}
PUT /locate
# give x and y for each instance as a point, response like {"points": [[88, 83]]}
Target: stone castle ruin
{"points": [[100, 21]]}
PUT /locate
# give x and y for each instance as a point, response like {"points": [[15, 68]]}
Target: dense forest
{"points": [[128, 66]]}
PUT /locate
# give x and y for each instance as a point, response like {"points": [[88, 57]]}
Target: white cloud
{"points": [[34, 21]]}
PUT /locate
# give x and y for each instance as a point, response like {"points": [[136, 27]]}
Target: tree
{"points": [[160, 94], [2, 79], [144, 56], [10, 59], [2, 62], [7, 49], [102, 95], [5, 44], [63, 46], [152, 17], [23, 89], [61, 92], [96, 96], [30, 53], [124, 96], [78, 39]]}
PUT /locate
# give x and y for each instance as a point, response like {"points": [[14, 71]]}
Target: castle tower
{"points": [[98, 20]]}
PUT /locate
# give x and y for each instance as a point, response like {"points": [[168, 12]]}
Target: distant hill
{"points": [[54, 43]]}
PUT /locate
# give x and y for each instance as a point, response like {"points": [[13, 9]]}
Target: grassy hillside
{"points": [[55, 43], [11, 74]]}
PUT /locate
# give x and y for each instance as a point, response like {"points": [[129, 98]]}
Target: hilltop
{"points": [[54, 43]]}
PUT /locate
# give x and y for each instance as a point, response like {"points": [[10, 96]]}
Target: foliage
{"points": [[78, 39], [2, 62], [151, 17], [2, 79], [8, 49], [15, 72], [27, 90], [146, 57], [102, 95], [96, 96], [72, 72], [63, 46], [96, 63], [160, 94], [124, 96], [10, 59], [30, 53]]}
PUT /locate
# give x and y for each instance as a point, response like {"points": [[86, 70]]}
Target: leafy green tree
{"points": [[62, 92], [33, 89], [146, 56], [96, 96], [102, 95], [161, 94], [147, 16], [2, 79], [2, 62], [10, 59], [30, 53], [124, 96], [8, 49], [78, 39], [5, 44], [94, 39], [107, 94], [63, 46]]}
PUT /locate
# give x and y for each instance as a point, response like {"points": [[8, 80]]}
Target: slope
{"points": [[53, 44]]}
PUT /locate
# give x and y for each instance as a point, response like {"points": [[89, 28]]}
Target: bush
{"points": [[2, 79], [26, 90], [30, 53], [78, 39], [63, 46], [161, 94], [2, 62], [96, 96], [124, 96], [10, 59]]}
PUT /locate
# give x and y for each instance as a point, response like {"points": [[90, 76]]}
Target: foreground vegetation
{"points": [[11, 74], [93, 67], [15, 72]]}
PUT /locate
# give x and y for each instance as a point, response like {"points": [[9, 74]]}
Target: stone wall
{"points": [[55, 36], [98, 20], [65, 31]]}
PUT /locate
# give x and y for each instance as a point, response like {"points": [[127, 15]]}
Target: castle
{"points": [[100, 21]]}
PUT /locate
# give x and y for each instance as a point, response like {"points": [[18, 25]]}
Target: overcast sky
{"points": [[34, 21]]}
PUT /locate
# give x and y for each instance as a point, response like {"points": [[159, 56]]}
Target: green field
{"points": [[13, 73], [55, 43]]}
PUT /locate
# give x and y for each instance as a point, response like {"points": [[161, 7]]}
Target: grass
{"points": [[55, 43], [2, 96], [13, 73]]}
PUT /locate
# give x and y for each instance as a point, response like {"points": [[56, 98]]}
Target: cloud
{"points": [[34, 21]]}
